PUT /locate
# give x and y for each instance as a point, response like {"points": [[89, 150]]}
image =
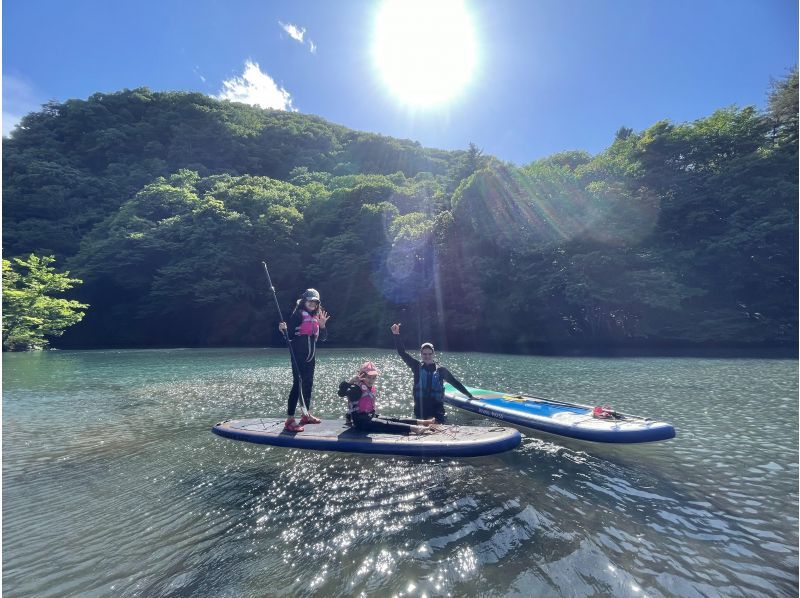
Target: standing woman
{"points": [[306, 324]]}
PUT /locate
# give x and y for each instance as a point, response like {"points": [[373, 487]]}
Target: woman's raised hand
{"points": [[395, 328], [323, 318]]}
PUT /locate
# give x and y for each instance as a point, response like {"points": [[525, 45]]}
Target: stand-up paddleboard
{"points": [[335, 435], [557, 417]]}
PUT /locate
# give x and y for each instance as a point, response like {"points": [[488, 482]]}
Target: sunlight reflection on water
{"points": [[110, 470]]}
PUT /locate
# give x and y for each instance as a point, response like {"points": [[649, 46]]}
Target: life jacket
{"points": [[430, 385], [309, 326], [366, 404]]}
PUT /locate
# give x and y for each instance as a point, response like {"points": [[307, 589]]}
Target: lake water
{"points": [[113, 483]]}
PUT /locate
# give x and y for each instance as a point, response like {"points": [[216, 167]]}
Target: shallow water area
{"points": [[113, 483]]}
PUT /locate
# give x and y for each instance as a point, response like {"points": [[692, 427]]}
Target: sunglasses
{"points": [[427, 354]]}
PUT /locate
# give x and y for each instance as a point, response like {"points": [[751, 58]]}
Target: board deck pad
{"points": [[558, 417], [336, 435]]}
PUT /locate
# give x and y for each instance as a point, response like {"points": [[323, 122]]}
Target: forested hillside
{"points": [[165, 205]]}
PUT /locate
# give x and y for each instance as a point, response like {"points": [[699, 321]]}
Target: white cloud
{"points": [[298, 34], [295, 32], [10, 122], [199, 74], [19, 98], [257, 88]]}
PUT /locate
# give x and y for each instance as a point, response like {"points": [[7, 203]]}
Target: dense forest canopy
{"points": [[165, 205]]}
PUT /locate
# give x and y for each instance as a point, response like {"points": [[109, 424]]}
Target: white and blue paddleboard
{"points": [[561, 418], [336, 435]]}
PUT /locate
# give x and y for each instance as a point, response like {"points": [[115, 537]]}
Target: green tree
{"points": [[30, 311], [181, 260], [468, 163], [783, 108]]}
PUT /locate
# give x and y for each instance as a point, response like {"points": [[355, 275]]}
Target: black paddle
{"points": [[303, 408]]}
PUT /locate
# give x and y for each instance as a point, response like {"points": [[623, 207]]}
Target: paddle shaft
{"points": [[616, 414], [295, 366]]}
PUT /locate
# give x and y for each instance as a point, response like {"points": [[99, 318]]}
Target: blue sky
{"points": [[548, 75]]}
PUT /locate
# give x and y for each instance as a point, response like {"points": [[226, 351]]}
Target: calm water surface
{"points": [[114, 485]]}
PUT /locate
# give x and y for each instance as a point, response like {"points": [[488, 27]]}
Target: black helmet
{"points": [[310, 295]]}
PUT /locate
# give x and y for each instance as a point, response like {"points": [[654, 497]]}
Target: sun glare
{"points": [[424, 49]]}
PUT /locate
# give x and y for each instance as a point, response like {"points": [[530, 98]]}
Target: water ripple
{"points": [[110, 471]]}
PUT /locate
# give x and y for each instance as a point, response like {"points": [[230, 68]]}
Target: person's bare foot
{"points": [[428, 422]]}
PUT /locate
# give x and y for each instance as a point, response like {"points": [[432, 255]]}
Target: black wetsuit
{"points": [[304, 348], [427, 404]]}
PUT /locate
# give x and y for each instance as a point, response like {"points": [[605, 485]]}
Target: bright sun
{"points": [[424, 49]]}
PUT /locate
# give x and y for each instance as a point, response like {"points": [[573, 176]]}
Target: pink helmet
{"points": [[368, 369]]}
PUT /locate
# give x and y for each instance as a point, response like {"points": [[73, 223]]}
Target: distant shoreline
{"points": [[711, 352]]}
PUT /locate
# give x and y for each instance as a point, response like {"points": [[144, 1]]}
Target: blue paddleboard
{"points": [[335, 435], [557, 417]]}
